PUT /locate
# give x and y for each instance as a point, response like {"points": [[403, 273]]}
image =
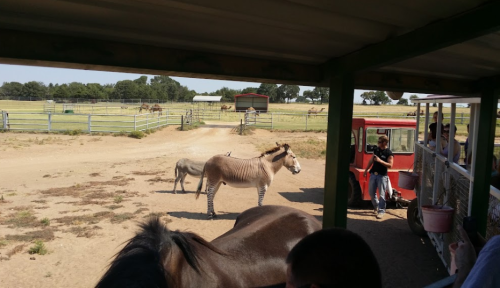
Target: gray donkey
{"points": [[185, 166]]}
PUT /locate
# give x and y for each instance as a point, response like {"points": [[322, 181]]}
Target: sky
{"points": [[23, 74]]}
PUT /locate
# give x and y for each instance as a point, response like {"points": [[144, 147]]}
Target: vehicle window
{"points": [[401, 140], [360, 139], [371, 139]]}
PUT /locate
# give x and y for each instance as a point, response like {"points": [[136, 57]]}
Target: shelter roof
{"points": [[251, 95], [200, 98], [419, 46], [447, 99]]}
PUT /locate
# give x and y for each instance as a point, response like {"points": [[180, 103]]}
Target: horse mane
{"points": [[271, 151], [140, 262]]}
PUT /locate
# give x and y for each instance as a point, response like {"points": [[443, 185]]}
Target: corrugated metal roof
{"points": [[200, 98], [251, 95]]}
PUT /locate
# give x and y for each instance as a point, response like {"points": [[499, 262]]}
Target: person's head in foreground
{"points": [[332, 258]]}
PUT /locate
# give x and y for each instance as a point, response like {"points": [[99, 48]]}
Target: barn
{"points": [[244, 101]]}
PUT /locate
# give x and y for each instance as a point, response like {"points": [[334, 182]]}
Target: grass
{"points": [[137, 134], [193, 126], [45, 221], [123, 119], [39, 248], [19, 219], [3, 242], [118, 199]]}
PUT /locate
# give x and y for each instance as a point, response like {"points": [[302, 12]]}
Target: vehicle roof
{"points": [[384, 121]]}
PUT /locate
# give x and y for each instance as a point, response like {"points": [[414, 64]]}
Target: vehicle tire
{"points": [[413, 218], [354, 197]]}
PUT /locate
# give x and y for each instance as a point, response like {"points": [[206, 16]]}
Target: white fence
{"points": [[89, 122]]}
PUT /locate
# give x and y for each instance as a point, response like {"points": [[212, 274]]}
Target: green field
{"points": [[120, 117]]}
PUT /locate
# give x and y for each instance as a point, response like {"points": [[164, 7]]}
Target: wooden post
{"points": [[307, 117], [241, 126], [484, 152], [90, 124], [338, 146], [182, 122], [49, 126], [135, 122]]}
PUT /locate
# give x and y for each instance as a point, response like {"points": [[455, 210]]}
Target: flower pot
{"points": [[437, 218], [407, 180]]}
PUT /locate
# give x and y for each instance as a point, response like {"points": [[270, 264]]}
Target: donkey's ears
{"points": [[286, 146], [278, 144]]}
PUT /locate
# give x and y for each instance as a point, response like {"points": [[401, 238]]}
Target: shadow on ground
{"points": [[308, 195], [202, 216], [405, 260]]}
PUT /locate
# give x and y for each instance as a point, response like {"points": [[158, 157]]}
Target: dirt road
{"points": [[94, 189]]}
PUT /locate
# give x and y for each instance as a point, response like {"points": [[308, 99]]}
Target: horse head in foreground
{"points": [[256, 172], [251, 254]]}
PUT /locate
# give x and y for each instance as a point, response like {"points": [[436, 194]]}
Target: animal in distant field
{"points": [[251, 109], [155, 108], [314, 111], [414, 113], [411, 114], [124, 107], [251, 254], [144, 106], [225, 108], [256, 172]]}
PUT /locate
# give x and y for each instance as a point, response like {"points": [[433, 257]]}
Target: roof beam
{"points": [[40, 49], [459, 28], [416, 84]]}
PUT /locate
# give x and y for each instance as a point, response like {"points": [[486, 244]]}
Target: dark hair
{"points": [[433, 129], [448, 126], [334, 258]]}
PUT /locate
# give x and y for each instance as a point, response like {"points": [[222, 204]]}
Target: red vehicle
{"points": [[364, 137]]}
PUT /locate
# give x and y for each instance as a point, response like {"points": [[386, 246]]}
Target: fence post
{"points": [[307, 116], [166, 121], [462, 119], [147, 121], [182, 122], [4, 119], [272, 123], [90, 124], [158, 121], [50, 122], [241, 126], [135, 122]]}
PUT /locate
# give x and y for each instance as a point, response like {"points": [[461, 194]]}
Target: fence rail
{"points": [[89, 122]]}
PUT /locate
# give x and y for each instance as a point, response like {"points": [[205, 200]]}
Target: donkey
{"points": [[251, 254], [185, 166], [256, 172]]}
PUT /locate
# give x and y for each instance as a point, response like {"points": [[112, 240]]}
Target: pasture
{"points": [[73, 201], [118, 117]]}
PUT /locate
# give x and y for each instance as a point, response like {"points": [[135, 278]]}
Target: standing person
{"points": [[456, 144], [433, 132], [382, 160]]}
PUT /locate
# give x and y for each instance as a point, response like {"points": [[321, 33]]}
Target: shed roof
{"points": [[200, 98], [251, 95], [401, 45]]}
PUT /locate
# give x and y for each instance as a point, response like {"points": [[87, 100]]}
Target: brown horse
{"points": [[251, 254]]}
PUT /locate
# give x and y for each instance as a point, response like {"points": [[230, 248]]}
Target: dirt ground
{"points": [[95, 189]]}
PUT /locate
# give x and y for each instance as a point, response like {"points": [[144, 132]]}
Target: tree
{"points": [[61, 91], [34, 89], [270, 90], [307, 94], [322, 93], [226, 93], [125, 89], [249, 90], [11, 89], [413, 97], [95, 91], [302, 99], [143, 80], [376, 97], [402, 101], [288, 92], [77, 90]]}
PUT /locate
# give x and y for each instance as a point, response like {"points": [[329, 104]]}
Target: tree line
{"points": [[162, 88]]}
